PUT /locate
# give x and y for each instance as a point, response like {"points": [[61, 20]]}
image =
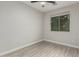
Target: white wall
{"points": [[71, 37], [19, 25]]}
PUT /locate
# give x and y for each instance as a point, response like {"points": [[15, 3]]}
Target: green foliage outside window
{"points": [[60, 23]]}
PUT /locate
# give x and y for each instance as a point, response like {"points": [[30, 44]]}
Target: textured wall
{"points": [[19, 25], [71, 37]]}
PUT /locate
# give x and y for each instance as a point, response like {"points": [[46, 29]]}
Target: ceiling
{"points": [[49, 7]]}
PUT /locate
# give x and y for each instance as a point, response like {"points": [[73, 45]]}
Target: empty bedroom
{"points": [[39, 28]]}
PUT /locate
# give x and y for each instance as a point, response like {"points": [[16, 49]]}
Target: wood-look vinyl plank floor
{"points": [[45, 49]]}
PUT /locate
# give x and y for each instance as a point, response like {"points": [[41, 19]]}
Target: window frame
{"points": [[59, 15]]}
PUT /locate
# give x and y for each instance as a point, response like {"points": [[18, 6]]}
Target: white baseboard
{"points": [[65, 44], [15, 49]]}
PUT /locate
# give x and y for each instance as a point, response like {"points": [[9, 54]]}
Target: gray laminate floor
{"points": [[45, 49]]}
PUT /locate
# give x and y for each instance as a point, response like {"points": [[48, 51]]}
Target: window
{"points": [[60, 23]]}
